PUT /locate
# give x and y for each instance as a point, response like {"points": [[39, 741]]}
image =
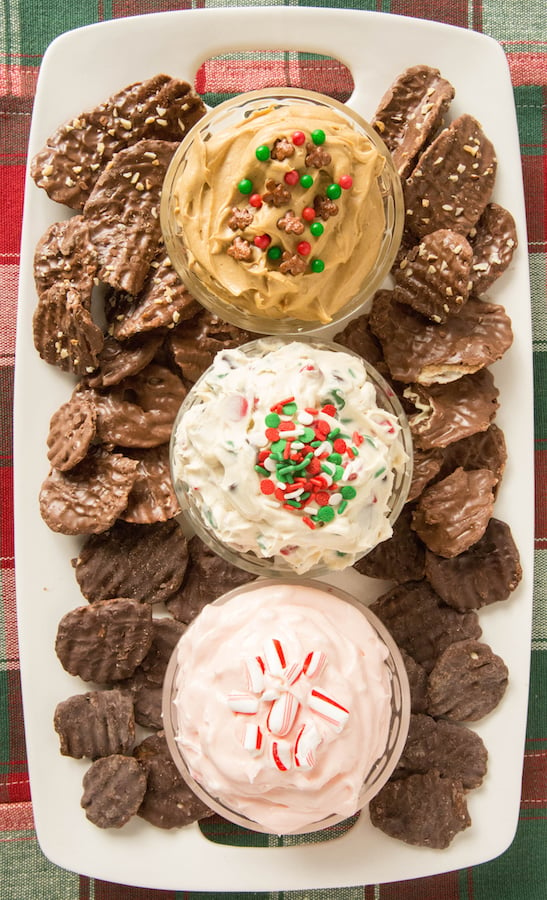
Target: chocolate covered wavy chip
{"points": [[66, 254], [146, 683], [120, 359], [426, 465], [357, 336], [114, 787], [195, 343], [95, 724], [168, 801], [74, 156], [425, 810], [123, 213], [410, 112], [64, 332], [162, 302], [453, 514], [494, 240], [152, 497], [434, 277], [145, 562], [452, 750], [452, 181], [482, 450], [453, 411], [401, 558], [467, 682], [421, 623], [425, 352], [71, 430], [105, 641], [90, 497], [140, 410], [486, 573], [207, 576]]}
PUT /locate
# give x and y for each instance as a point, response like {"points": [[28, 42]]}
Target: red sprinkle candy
{"points": [[304, 249], [255, 200], [345, 182], [267, 486], [329, 410], [339, 445], [262, 241], [298, 138], [291, 177], [308, 213]]}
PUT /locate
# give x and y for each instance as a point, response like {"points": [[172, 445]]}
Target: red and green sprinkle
{"points": [[304, 463]]}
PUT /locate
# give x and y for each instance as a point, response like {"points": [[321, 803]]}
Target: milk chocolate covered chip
{"points": [[146, 562], [207, 577], [452, 181], [494, 240], [421, 623], [453, 411], [119, 360], [357, 336], [452, 750], [71, 430], [90, 497], [425, 810], [482, 450], [467, 682], [426, 465], [152, 497], [451, 515], [416, 349], [162, 302], [114, 787], [486, 573], [140, 410], [64, 332], [105, 641], [123, 213], [400, 558], [410, 112], [98, 723], [195, 343], [76, 153], [168, 801], [434, 277], [65, 254]]}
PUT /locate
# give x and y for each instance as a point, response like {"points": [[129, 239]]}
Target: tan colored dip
{"points": [[208, 191]]}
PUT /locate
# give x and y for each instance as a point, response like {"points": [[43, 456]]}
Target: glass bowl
{"points": [[355, 734], [228, 455], [345, 255]]}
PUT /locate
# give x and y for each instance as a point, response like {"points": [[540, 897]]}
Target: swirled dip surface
{"points": [[207, 194], [257, 735], [307, 481]]}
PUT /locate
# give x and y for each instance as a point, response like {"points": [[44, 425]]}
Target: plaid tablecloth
{"points": [[26, 28]]}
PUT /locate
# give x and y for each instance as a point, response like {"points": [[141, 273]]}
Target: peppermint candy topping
{"points": [[287, 731]]}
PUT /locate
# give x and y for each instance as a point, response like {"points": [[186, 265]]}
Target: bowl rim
{"points": [[393, 200], [402, 716]]}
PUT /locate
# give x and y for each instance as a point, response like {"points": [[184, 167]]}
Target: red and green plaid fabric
{"points": [[26, 28]]}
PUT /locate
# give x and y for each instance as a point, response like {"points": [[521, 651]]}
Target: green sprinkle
{"points": [[318, 136], [342, 506], [306, 181], [317, 229], [289, 409], [278, 446], [325, 514], [262, 471], [245, 186], [380, 472], [315, 443], [370, 440], [262, 153], [293, 503], [348, 492], [272, 420], [305, 496], [274, 252], [317, 265], [333, 191], [338, 472], [307, 437], [335, 458], [338, 399], [333, 434]]}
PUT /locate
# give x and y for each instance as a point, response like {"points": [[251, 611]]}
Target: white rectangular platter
{"points": [[80, 69]]}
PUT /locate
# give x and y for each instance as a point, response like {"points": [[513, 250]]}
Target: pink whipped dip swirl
{"points": [[283, 701]]}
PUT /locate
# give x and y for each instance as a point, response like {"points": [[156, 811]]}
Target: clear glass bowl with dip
{"points": [[282, 211], [286, 706], [291, 457]]}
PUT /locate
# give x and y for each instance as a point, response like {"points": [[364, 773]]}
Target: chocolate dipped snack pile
{"points": [[434, 335]]}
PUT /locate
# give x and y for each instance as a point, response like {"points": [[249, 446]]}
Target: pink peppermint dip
{"points": [[285, 698]]}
